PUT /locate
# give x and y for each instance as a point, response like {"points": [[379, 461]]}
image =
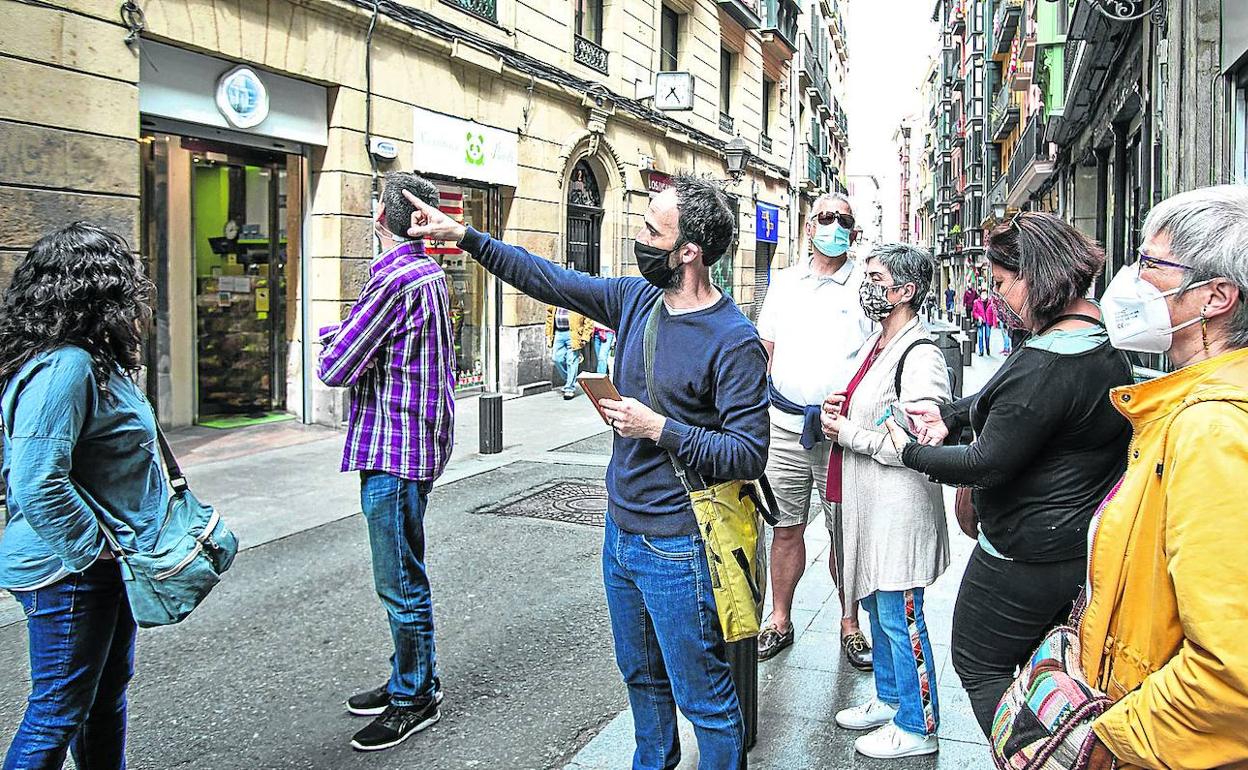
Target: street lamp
{"points": [[736, 155], [998, 211]]}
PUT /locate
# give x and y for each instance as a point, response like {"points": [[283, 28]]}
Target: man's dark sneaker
{"points": [[373, 702], [857, 651], [395, 725], [772, 640]]}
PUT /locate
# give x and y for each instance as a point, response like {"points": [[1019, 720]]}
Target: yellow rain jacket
{"points": [[1165, 633]]}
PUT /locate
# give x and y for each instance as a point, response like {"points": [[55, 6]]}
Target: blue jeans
{"points": [[81, 660], [395, 511], [1005, 339], [602, 350], [670, 649], [567, 361], [905, 671], [985, 339]]}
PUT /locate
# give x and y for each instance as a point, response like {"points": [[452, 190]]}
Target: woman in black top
{"points": [[1048, 448]]}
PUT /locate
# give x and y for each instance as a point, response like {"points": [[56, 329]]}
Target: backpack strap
{"points": [[650, 341], [901, 363]]}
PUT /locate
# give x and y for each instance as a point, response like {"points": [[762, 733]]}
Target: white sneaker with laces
{"points": [[873, 713], [892, 742]]}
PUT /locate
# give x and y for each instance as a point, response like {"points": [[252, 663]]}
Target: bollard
{"points": [[743, 661], [947, 341], [491, 419]]}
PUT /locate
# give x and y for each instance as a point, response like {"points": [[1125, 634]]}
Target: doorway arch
{"points": [[583, 246]]}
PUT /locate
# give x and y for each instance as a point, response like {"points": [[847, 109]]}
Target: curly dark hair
{"points": [[78, 285], [705, 217]]}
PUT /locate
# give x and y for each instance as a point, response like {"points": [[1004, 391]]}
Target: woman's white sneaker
{"points": [[892, 742], [871, 714]]}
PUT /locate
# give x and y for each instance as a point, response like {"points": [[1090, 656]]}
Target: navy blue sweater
{"points": [[710, 370]]}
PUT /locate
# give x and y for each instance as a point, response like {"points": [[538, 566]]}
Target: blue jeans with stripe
{"points": [[905, 671]]}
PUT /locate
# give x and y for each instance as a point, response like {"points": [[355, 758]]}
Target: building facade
{"points": [[239, 148], [1098, 110], [820, 119]]}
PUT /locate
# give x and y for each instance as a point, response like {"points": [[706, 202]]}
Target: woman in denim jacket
{"points": [[79, 453]]}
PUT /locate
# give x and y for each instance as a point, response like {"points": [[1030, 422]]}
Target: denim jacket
{"points": [[71, 454]]}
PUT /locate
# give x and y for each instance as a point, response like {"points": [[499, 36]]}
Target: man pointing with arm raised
{"points": [[710, 377]]}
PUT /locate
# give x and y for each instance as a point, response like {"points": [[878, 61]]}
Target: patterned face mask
{"points": [[874, 300], [1008, 315]]}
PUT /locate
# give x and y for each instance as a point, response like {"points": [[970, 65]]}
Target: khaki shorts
{"points": [[794, 473]]}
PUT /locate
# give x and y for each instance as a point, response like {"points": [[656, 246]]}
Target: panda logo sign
{"points": [[474, 149]]}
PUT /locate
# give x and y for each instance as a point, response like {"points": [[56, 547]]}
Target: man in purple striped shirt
{"points": [[396, 352]]}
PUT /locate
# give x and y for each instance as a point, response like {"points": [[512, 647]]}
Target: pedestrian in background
{"points": [[1006, 343], [1048, 447], [1164, 628], [707, 412], [950, 296], [396, 353], [893, 519], [604, 346], [985, 316], [806, 364], [968, 299], [567, 333], [78, 455]]}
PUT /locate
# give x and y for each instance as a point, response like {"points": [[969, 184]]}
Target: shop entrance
{"points": [[229, 216]]}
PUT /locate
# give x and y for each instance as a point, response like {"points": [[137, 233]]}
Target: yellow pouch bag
{"points": [[730, 519]]}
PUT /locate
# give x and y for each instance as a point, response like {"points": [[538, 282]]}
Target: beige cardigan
{"points": [[893, 532]]}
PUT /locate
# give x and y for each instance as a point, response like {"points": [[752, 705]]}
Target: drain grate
{"points": [[577, 502]]}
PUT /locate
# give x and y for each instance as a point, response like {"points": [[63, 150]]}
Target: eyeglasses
{"points": [[1147, 261], [832, 217]]}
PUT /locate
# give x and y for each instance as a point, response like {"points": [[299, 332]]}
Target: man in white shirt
{"points": [[813, 329]]}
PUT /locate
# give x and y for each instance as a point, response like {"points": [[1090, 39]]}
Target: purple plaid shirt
{"points": [[396, 353]]}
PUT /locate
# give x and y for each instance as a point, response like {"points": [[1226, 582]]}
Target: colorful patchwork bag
{"points": [[1044, 721]]}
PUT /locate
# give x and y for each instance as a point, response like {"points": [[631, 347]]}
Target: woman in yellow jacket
{"points": [[566, 334], [1165, 632]]}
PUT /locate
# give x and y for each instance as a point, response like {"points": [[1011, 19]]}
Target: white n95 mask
{"points": [[1136, 315]]}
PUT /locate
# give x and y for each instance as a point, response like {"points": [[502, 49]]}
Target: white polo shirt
{"points": [[817, 328]]}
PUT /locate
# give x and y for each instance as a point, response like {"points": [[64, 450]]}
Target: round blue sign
{"points": [[242, 98]]}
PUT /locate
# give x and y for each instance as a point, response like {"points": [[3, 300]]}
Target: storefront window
{"points": [[466, 282]]}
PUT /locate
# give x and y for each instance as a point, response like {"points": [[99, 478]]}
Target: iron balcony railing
{"points": [[1005, 24], [725, 122], [814, 166], [589, 53], [746, 12], [764, 142], [813, 73], [1030, 147], [780, 19], [1005, 112], [486, 9], [951, 65]]}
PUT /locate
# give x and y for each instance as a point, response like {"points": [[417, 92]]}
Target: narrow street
{"points": [[256, 678]]}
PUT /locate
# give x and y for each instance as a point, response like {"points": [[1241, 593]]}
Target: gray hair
{"points": [[832, 198], [1208, 229], [398, 208], [907, 264]]}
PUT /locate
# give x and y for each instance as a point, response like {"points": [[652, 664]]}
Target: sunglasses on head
{"points": [[833, 217]]}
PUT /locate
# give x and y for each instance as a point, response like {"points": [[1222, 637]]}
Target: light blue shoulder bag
{"points": [[192, 549]]}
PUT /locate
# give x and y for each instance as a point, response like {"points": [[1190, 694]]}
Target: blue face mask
{"points": [[831, 240]]}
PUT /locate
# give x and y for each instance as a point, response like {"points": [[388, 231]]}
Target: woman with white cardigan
{"points": [[892, 526]]}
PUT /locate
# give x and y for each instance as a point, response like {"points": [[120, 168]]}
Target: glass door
{"points": [[240, 227]]}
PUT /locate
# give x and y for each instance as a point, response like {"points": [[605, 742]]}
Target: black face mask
{"points": [[653, 263]]}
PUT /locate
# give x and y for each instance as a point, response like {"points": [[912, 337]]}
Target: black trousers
{"points": [[1004, 609]]}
